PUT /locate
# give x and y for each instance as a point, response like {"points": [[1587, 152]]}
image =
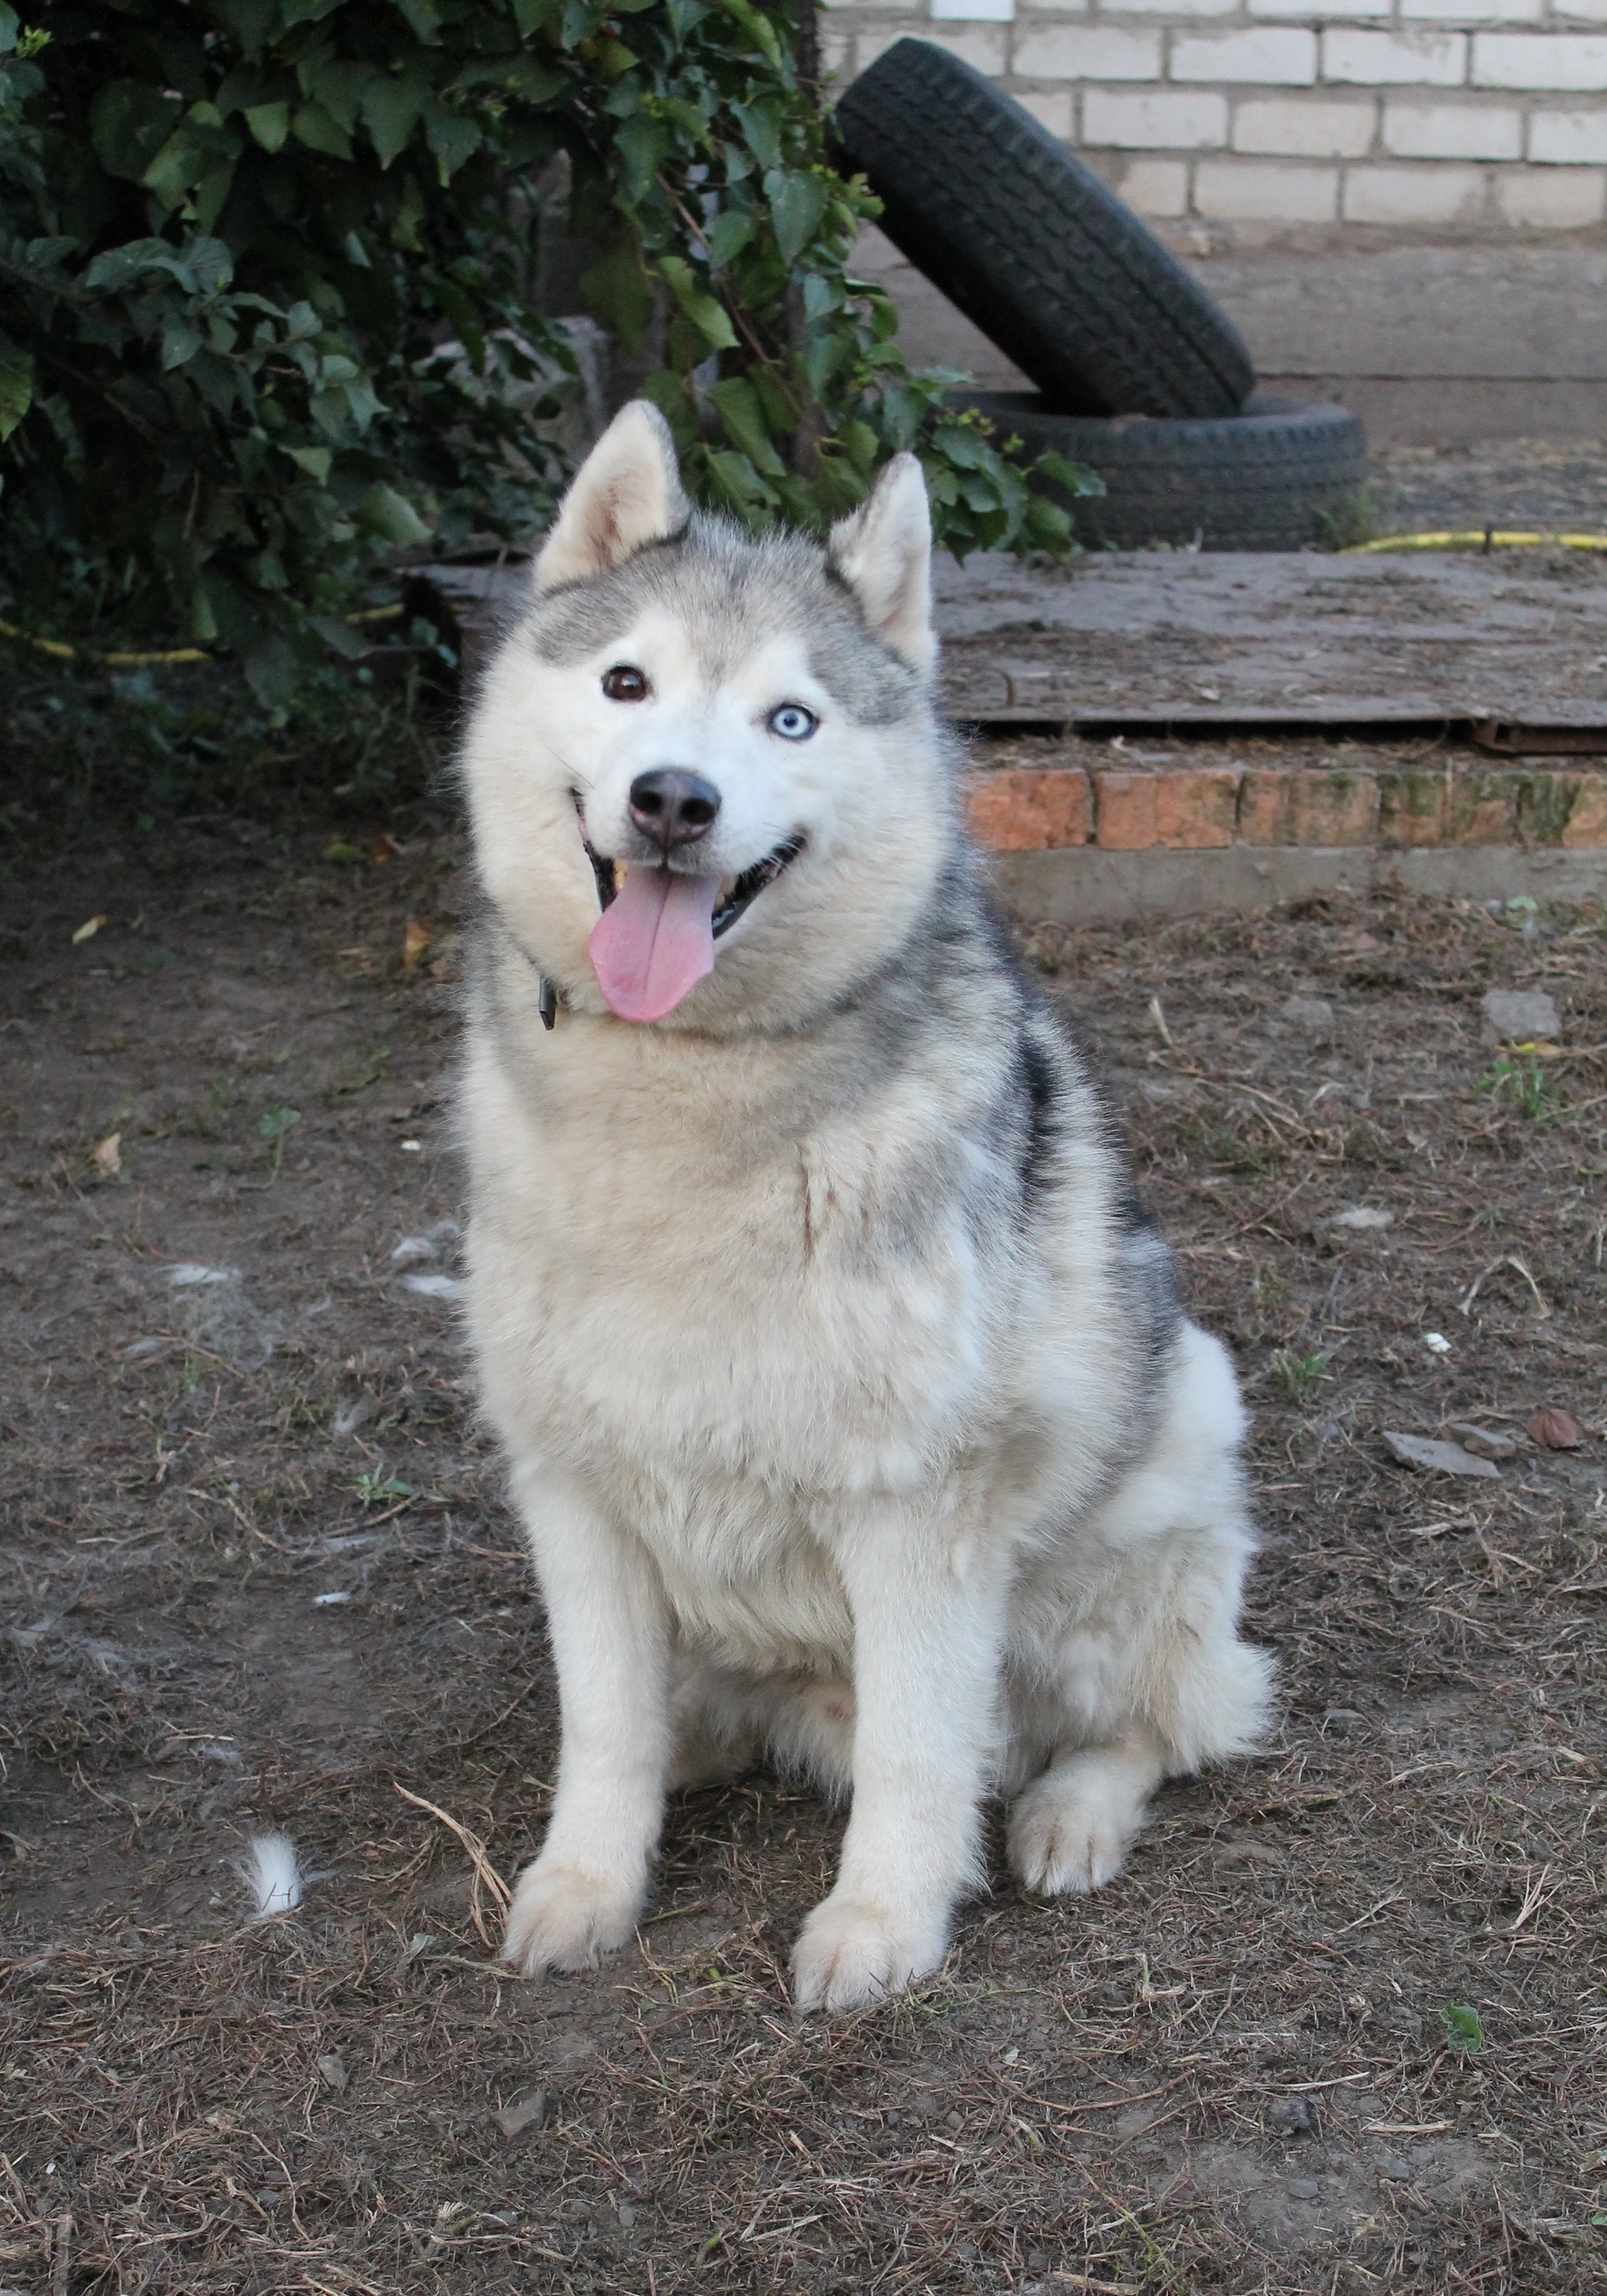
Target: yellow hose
{"points": [[1492, 538], [59, 653]]}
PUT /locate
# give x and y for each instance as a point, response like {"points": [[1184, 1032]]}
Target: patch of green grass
{"points": [[1300, 1373], [1463, 2028], [1523, 1085], [374, 1490], [1349, 520], [274, 1126]]}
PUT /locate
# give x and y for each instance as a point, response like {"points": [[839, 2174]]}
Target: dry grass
{"points": [[1229, 2071]]}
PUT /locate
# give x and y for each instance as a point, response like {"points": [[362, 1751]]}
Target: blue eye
{"points": [[792, 721]]}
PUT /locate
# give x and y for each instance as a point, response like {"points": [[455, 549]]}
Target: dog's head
{"points": [[704, 771]]}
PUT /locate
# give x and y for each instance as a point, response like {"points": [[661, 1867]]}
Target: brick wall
{"points": [[1478, 115]]}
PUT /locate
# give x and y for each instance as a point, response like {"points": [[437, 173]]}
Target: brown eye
{"points": [[624, 683]]}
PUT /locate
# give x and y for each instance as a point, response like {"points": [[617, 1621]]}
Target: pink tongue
{"points": [[654, 942]]}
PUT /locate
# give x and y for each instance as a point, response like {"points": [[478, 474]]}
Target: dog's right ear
{"points": [[627, 493], [883, 552]]}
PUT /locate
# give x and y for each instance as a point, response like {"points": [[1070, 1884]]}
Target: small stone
{"points": [[1296, 2116], [1392, 2166], [331, 2071], [1519, 1016], [1484, 1442], [1305, 2189], [954, 2120], [525, 2112], [1036, 2261], [1438, 1458]]}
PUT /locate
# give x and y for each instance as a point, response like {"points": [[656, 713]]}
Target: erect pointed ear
{"points": [[628, 492], [883, 552]]}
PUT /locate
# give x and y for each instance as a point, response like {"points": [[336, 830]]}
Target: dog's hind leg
{"points": [[609, 1625], [1073, 1826], [716, 1728], [725, 1722], [1143, 1675]]}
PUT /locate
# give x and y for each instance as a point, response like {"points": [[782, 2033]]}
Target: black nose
{"points": [[673, 806]]}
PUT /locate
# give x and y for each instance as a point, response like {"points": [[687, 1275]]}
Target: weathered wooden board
{"points": [[1307, 638], [1311, 639]]}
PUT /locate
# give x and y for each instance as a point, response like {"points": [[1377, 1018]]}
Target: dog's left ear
{"points": [[883, 552], [627, 493]]}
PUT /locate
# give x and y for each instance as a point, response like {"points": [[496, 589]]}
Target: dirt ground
{"points": [[1558, 486], [257, 1574]]}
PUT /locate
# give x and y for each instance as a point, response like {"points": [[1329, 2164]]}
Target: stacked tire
{"points": [[1139, 375]]}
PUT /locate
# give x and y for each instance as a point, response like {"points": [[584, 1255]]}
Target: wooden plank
{"points": [[1285, 641]]}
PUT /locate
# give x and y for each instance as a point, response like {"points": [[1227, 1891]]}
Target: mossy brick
{"points": [[1545, 806], [1482, 808], [1301, 808], [1030, 810], [1412, 808], [1587, 827]]}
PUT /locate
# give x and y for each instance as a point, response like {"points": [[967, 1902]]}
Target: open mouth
{"points": [[735, 897]]}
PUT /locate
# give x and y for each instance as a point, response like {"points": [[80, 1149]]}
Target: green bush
{"points": [[236, 233]]}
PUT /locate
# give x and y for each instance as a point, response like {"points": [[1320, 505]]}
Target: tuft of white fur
{"points": [[272, 1875]]}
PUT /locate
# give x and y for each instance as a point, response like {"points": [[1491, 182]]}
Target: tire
{"points": [[1033, 247], [1274, 477]]}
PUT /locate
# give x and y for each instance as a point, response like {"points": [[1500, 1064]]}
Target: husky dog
{"points": [[851, 1415]]}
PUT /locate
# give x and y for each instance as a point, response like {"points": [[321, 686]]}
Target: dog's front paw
{"points": [[562, 1917], [852, 1951], [1071, 1830]]}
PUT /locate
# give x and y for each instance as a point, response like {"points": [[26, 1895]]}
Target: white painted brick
{"points": [[1473, 11], [1178, 8], [1288, 126], [1395, 59], [1053, 110], [1331, 9], [835, 49], [980, 45], [1568, 139], [1277, 57], [1552, 199], [973, 11], [1165, 119], [1055, 7], [1247, 191], [1087, 52], [1582, 12], [1406, 195], [868, 45], [1454, 131], [1564, 60], [1156, 187]]}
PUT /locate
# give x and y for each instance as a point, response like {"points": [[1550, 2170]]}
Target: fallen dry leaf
{"points": [[1558, 1430], [331, 2070], [88, 929], [108, 1155], [415, 940]]}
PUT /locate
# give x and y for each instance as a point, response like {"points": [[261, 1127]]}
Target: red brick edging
{"points": [[1035, 809]]}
